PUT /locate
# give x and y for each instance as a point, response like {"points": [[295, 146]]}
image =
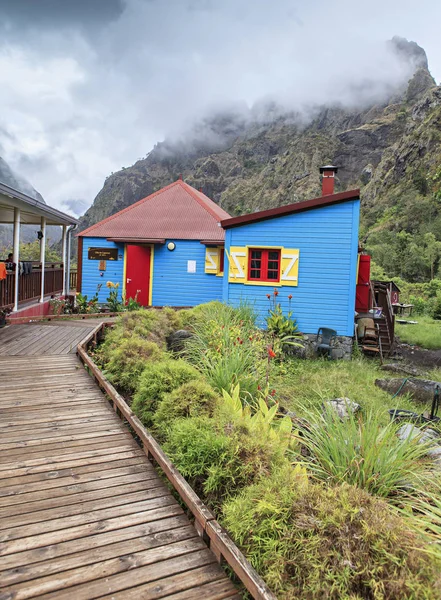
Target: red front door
{"points": [[138, 273]]}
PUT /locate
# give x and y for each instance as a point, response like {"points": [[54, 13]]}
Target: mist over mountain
{"points": [[267, 156]]}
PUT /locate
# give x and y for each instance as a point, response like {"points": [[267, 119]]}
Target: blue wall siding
{"points": [[91, 276], [328, 241], [173, 285]]}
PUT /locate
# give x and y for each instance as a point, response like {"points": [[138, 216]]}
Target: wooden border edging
{"points": [[207, 527]]}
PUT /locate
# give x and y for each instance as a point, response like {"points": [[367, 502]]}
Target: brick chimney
{"points": [[180, 177], [328, 173]]}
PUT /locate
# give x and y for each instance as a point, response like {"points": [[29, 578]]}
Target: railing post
{"points": [[63, 256], [42, 255], [16, 255]]}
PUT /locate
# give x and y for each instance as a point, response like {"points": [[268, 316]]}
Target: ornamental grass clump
{"points": [[360, 451], [227, 348], [338, 543], [157, 380]]}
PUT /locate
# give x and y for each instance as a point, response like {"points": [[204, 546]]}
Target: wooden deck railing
{"points": [[206, 525], [73, 280], [29, 285]]}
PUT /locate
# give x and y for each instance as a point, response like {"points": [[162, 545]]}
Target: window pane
{"points": [[255, 264], [273, 255], [273, 265], [256, 253], [273, 275], [255, 274]]}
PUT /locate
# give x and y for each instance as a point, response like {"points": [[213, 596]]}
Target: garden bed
{"points": [[318, 511]]}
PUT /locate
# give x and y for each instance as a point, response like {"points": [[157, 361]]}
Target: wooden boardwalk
{"points": [[83, 513]]}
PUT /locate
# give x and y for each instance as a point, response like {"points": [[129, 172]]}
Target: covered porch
{"points": [[34, 281]]}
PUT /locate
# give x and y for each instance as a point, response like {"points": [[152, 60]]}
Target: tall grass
{"points": [[426, 333], [227, 348], [303, 385], [361, 452]]}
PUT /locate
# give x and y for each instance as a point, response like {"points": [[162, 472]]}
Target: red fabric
{"points": [[2, 271], [177, 211]]}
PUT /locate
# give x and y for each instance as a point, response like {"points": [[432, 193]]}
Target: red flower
{"points": [[271, 352], [290, 297], [268, 296], [273, 392], [276, 293], [258, 387]]}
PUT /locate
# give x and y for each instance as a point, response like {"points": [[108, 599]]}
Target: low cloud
{"points": [[92, 86]]}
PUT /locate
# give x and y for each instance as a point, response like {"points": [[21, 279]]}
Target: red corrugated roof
{"points": [[177, 211]]}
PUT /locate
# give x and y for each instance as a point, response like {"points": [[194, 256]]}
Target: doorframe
{"points": [[152, 252]]}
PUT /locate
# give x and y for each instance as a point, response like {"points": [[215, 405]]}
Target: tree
{"points": [[31, 251], [432, 252]]}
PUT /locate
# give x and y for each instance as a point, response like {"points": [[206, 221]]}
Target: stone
{"points": [[342, 406], [176, 340], [406, 369], [421, 390]]}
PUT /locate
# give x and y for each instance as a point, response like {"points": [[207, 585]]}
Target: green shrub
{"points": [[436, 314], [158, 379], [312, 542], [222, 455], [128, 359], [361, 452], [204, 456], [193, 399]]}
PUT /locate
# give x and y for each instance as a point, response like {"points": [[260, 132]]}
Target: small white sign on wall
{"points": [[191, 266]]}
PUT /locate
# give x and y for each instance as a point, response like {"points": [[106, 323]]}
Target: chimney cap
{"points": [[329, 168]]}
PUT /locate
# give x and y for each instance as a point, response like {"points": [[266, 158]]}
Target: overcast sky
{"points": [[89, 86]]}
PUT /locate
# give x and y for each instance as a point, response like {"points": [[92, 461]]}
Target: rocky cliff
{"points": [[392, 151]]}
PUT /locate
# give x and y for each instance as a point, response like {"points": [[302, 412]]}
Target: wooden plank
{"points": [[24, 502], [91, 556], [93, 458], [109, 583], [205, 583], [62, 447], [147, 529], [85, 506], [72, 533], [57, 478], [130, 484], [59, 525], [214, 589]]}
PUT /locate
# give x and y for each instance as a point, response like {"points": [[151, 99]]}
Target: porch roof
{"points": [[31, 209]]}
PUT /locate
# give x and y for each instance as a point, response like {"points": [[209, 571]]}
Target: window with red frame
{"points": [[264, 265]]}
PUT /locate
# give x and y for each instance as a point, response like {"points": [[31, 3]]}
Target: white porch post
{"points": [[64, 257], [16, 254], [42, 255]]}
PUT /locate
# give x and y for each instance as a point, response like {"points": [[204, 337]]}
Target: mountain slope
{"points": [[391, 151]]}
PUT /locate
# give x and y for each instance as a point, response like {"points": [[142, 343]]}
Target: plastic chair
{"points": [[325, 339]]}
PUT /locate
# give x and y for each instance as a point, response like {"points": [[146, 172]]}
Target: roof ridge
{"points": [[201, 202], [124, 210]]}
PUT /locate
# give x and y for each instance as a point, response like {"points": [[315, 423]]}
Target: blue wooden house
{"points": [[307, 252], [168, 250], [165, 250]]}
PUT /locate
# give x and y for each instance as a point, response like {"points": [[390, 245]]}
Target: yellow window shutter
{"points": [[289, 268], [237, 261], [211, 260]]}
